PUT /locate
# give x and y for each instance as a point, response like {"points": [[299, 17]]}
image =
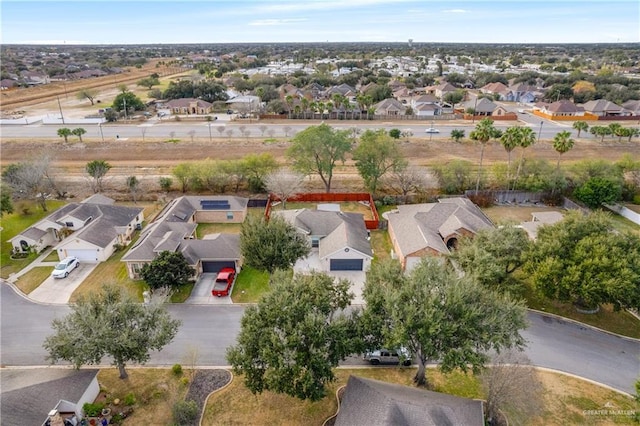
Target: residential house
{"points": [[604, 108], [442, 89], [485, 107], [188, 106], [633, 106], [340, 241], [245, 104], [494, 89], [390, 106], [539, 219], [342, 89], [559, 109], [7, 83], [35, 395], [520, 92], [433, 229], [402, 94], [175, 228], [90, 230], [373, 402], [426, 106]]}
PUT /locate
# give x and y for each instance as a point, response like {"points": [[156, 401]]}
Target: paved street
{"points": [[210, 330], [256, 129]]}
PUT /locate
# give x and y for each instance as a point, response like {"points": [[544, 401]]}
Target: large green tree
{"points": [[148, 82], [454, 177], [583, 261], [6, 203], [97, 169], [439, 316], [168, 269], [64, 132], [293, 338], [377, 154], [111, 324], [128, 100], [598, 191], [580, 126], [317, 149], [492, 254], [273, 244]]}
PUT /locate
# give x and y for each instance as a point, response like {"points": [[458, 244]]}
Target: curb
{"points": [[593, 382], [576, 322]]}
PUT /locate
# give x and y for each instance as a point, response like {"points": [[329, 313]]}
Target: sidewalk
{"points": [[39, 261]]}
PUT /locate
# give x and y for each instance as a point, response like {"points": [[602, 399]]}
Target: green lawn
{"points": [[623, 224], [621, 322], [112, 271], [250, 285], [182, 293], [32, 279], [217, 228], [381, 245], [52, 257], [12, 225]]}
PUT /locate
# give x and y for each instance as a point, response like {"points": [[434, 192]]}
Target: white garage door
{"points": [[84, 255]]}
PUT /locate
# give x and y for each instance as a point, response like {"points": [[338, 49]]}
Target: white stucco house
{"points": [[90, 230], [339, 241]]}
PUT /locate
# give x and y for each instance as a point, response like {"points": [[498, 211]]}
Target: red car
{"points": [[224, 281]]}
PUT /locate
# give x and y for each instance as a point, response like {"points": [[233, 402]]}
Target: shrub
{"points": [[177, 369], [165, 183], [185, 412], [129, 399], [92, 409], [482, 199]]}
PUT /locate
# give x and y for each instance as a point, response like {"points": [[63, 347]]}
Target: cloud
{"points": [[455, 11], [273, 22]]}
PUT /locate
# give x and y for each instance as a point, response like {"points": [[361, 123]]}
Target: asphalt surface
{"points": [[181, 130], [209, 330]]}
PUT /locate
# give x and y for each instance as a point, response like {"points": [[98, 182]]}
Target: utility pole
{"points": [[540, 131], [60, 108]]}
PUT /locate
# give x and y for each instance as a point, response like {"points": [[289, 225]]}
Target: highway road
{"points": [[221, 128], [552, 343]]}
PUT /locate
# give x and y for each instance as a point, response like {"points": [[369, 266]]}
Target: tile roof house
{"points": [[29, 395], [633, 106], [97, 227], [174, 230], [189, 106], [419, 230], [485, 107], [340, 240], [372, 402], [495, 88]]}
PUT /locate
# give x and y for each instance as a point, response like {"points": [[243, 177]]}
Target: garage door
{"points": [[345, 265], [211, 266], [84, 255]]}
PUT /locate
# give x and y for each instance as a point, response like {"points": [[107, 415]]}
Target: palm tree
{"points": [[601, 131], [289, 100], [305, 106], [509, 140], [562, 142], [580, 126], [484, 131], [78, 132], [527, 137], [457, 134], [64, 133]]}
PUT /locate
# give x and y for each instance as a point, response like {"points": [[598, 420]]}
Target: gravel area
{"points": [[205, 382]]}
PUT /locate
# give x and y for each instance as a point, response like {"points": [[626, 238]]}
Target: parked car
{"points": [[65, 266], [386, 356], [431, 130], [224, 281]]}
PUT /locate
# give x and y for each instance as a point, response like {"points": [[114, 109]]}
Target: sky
{"points": [[224, 21]]}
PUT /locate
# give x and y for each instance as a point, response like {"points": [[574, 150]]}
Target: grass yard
{"points": [[381, 245], [517, 214], [52, 257], [14, 223], [113, 271], [250, 285], [182, 293], [217, 228], [155, 391], [565, 399], [32, 279], [621, 322], [623, 224]]}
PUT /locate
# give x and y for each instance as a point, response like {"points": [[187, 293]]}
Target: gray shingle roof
{"points": [[28, 395], [372, 402], [98, 199], [145, 248], [420, 226], [337, 229], [33, 233]]}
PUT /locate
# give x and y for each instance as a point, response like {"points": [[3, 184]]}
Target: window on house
{"points": [[315, 242], [68, 224], [229, 215], [136, 267]]}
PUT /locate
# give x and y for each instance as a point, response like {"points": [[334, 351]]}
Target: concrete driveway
{"points": [[356, 278], [201, 293], [59, 290]]}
